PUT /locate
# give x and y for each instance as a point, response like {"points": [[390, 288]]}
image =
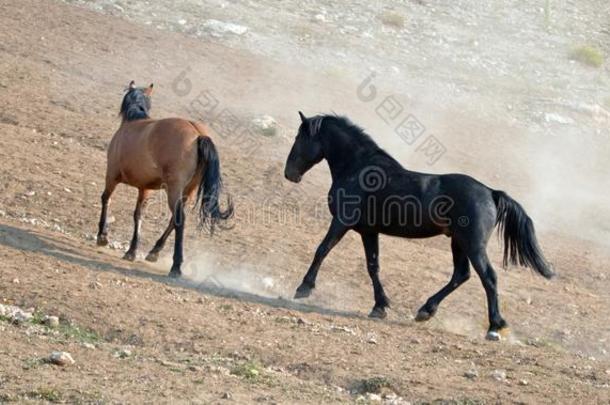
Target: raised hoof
{"points": [[130, 256], [424, 315], [102, 240], [152, 257], [303, 291], [378, 313]]}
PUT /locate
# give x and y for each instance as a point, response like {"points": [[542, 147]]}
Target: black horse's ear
{"points": [[303, 119], [132, 85]]}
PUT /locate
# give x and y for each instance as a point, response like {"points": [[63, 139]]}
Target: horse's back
{"points": [[148, 153]]}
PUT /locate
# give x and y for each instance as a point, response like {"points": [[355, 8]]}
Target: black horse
{"points": [[372, 193]]}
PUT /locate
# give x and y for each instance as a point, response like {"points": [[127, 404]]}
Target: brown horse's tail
{"points": [[517, 230], [210, 186]]}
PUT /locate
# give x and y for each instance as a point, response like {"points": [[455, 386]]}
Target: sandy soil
{"points": [[62, 73]]}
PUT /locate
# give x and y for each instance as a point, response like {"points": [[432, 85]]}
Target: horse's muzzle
{"points": [[292, 175]]}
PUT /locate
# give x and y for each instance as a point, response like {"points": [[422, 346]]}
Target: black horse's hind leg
{"points": [[336, 231], [371, 250], [137, 224], [153, 255], [461, 273], [483, 267], [102, 233]]}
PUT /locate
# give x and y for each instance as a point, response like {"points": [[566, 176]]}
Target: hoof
{"points": [[102, 240], [152, 257], [378, 312], [493, 336], [424, 315], [175, 274], [130, 256], [303, 291]]}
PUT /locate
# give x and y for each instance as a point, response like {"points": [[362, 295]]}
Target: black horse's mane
{"points": [[135, 105], [358, 139]]}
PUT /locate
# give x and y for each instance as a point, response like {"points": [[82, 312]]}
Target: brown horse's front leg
{"points": [[102, 233], [336, 231], [137, 224]]}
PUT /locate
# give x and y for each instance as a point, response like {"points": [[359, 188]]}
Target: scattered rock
{"points": [[227, 395], [89, 346], [523, 382], [556, 118], [219, 28], [499, 375], [30, 193], [373, 397], [95, 285], [51, 321], [15, 281], [342, 329], [471, 374], [61, 359], [2, 213], [265, 125], [371, 338], [123, 353], [15, 314]]}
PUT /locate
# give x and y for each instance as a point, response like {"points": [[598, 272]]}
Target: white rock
{"points": [[61, 358], [499, 375], [265, 125], [472, 374], [89, 346], [51, 321], [123, 353], [219, 28], [560, 119], [373, 397]]}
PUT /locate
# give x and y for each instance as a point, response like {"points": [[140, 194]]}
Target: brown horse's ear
{"points": [[132, 85], [303, 119], [149, 90]]}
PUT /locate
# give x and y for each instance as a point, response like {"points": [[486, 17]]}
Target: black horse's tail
{"points": [[517, 230], [210, 186]]}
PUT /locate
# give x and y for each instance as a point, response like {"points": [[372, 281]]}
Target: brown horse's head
{"points": [[306, 150], [136, 103]]}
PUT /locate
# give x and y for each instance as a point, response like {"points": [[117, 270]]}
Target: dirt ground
{"points": [[230, 330]]}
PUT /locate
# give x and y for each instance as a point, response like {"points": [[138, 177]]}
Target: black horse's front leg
{"points": [[336, 231], [371, 250]]}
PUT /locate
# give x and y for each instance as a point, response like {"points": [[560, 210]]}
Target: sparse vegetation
{"points": [[373, 385], [45, 394], [249, 370], [587, 55], [392, 19]]}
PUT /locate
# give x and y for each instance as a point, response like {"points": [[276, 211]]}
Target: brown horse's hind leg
{"points": [[102, 233], [154, 253], [176, 203], [137, 224]]}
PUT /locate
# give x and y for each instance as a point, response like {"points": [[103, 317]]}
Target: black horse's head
{"points": [[306, 150], [136, 103]]}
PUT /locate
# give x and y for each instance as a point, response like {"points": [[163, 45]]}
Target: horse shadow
{"points": [[32, 241]]}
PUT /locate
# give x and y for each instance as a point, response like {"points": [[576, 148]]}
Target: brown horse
{"points": [[172, 153]]}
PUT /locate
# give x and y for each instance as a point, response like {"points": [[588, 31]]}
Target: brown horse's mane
{"points": [[136, 105]]}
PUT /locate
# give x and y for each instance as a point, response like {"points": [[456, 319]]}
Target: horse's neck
{"points": [[342, 155], [347, 157]]}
